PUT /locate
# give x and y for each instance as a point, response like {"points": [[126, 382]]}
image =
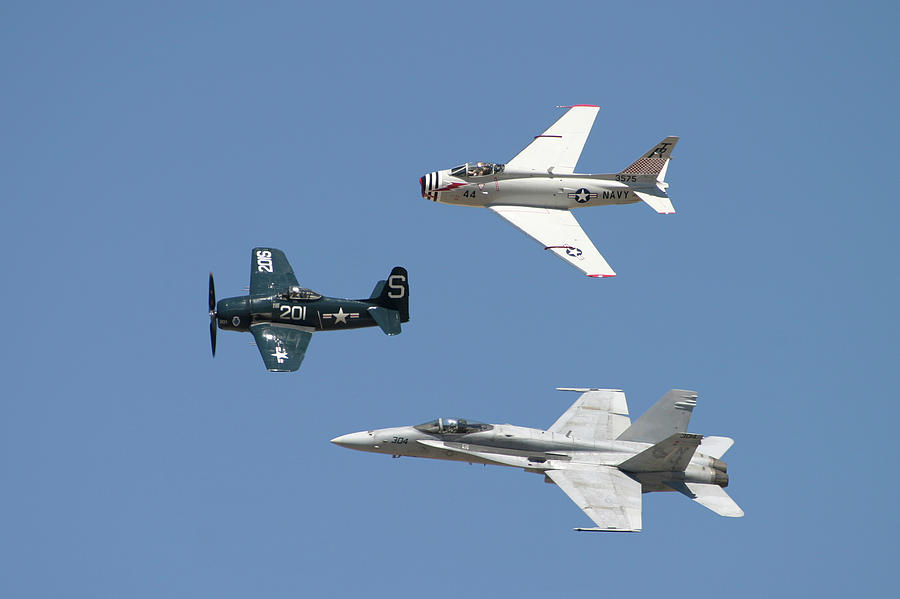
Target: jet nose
{"points": [[361, 441], [429, 183]]}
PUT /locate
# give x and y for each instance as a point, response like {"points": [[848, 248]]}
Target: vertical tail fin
{"points": [[393, 293], [669, 415], [654, 163]]}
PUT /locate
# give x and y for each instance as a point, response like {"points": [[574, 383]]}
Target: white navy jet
{"points": [[594, 453], [536, 190]]}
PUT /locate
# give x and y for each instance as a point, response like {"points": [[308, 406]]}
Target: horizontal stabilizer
{"points": [[671, 455], [388, 320], [715, 447], [710, 496], [661, 203]]}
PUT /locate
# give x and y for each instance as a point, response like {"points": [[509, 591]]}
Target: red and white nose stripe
{"points": [[430, 183]]}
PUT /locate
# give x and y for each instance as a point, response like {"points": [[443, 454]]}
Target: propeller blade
{"points": [[212, 334], [212, 295], [212, 315]]}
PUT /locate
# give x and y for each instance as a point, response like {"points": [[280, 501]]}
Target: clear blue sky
{"points": [[146, 144]]}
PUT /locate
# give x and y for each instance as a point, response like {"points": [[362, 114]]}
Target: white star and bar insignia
{"points": [[340, 317], [583, 195]]}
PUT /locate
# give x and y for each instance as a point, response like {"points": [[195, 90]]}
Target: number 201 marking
{"points": [[293, 312]]}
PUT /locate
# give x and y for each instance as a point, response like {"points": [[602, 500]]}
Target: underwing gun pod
{"points": [[593, 452], [282, 315], [538, 187]]}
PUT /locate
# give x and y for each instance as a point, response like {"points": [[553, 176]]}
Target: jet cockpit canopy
{"points": [[477, 169], [453, 426], [296, 292]]}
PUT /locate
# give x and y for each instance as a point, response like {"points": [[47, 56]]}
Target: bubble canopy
{"points": [[453, 426], [300, 293], [476, 169]]}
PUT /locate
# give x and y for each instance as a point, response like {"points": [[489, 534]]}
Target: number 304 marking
{"points": [[293, 312]]}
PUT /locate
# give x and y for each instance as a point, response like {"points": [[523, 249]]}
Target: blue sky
{"points": [[146, 145]]}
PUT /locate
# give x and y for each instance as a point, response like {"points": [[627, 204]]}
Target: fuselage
{"points": [[465, 186], [315, 314], [534, 450]]}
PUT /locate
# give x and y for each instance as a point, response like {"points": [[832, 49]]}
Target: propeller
{"points": [[212, 315]]}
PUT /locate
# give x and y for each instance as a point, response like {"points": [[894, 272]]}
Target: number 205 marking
{"points": [[293, 312], [264, 261]]}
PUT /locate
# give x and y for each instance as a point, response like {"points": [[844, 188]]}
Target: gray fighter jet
{"points": [[593, 452]]}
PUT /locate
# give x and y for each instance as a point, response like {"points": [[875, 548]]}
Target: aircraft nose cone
{"points": [[361, 441], [429, 185]]}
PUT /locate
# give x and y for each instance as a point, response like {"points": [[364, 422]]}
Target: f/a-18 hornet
{"points": [[593, 453], [282, 315], [536, 190]]}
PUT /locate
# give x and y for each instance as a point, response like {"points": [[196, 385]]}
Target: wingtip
{"points": [[599, 276]]}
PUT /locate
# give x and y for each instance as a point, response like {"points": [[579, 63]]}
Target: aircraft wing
{"points": [[558, 231], [282, 347], [270, 272], [597, 414], [610, 498], [558, 148]]}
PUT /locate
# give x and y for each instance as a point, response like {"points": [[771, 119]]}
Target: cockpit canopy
{"points": [[477, 169], [453, 426], [300, 293]]}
